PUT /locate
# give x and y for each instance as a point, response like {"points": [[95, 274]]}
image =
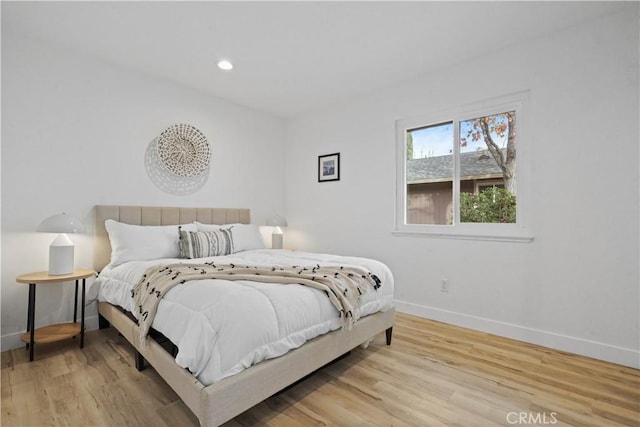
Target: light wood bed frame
{"points": [[229, 397]]}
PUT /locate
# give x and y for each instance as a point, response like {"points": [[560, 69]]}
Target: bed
{"points": [[217, 387]]}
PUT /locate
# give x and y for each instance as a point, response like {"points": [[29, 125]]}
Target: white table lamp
{"points": [[61, 249], [276, 221]]}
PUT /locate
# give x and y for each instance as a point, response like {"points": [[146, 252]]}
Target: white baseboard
{"points": [[610, 353], [11, 341]]}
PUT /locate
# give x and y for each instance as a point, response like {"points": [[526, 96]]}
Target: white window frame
{"points": [[518, 232], [490, 183]]}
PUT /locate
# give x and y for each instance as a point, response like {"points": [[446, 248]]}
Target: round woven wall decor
{"points": [[167, 181], [184, 150]]}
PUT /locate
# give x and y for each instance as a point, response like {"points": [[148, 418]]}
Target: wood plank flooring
{"points": [[432, 375]]}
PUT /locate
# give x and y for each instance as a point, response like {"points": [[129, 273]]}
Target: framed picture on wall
{"points": [[329, 167]]}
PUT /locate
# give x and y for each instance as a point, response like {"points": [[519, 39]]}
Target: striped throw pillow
{"points": [[202, 244]]}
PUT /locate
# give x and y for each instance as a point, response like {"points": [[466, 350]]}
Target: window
{"points": [[463, 173], [485, 185]]}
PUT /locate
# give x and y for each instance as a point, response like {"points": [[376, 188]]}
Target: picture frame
{"points": [[329, 167]]}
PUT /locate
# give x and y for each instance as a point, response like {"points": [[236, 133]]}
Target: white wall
{"points": [[576, 286], [74, 134]]}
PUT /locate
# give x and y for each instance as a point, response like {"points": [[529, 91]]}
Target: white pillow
{"points": [[245, 236], [143, 242], [208, 227]]}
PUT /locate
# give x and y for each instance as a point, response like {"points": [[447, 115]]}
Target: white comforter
{"points": [[222, 327]]}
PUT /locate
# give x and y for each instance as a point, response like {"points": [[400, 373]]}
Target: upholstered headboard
{"points": [[148, 215]]}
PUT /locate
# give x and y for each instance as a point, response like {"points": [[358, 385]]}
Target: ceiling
{"points": [[291, 57]]}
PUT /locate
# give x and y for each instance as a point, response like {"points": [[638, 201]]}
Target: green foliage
{"points": [[493, 205], [409, 146]]}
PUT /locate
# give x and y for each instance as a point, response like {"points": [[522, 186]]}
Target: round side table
{"points": [[58, 331]]}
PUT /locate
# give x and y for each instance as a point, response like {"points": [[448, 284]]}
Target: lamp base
{"points": [[276, 241], [61, 256]]}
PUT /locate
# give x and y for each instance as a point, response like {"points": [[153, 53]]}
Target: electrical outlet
{"points": [[444, 285]]}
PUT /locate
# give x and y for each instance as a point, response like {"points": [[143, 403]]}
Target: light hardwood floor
{"points": [[432, 374]]}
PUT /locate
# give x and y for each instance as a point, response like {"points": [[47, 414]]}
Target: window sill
{"points": [[514, 236]]}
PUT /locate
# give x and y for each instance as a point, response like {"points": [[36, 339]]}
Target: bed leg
{"points": [[388, 332], [102, 322], [139, 362]]}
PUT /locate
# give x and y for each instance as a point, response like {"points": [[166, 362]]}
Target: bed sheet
{"points": [[222, 327]]}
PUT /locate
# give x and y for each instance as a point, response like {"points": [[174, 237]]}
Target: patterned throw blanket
{"points": [[342, 285]]}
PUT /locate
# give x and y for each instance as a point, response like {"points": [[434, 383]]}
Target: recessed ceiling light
{"points": [[225, 65]]}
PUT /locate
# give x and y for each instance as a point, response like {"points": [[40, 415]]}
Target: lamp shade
{"points": [[61, 223], [276, 221]]}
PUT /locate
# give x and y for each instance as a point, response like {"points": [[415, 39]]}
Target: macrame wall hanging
{"points": [[177, 161]]}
